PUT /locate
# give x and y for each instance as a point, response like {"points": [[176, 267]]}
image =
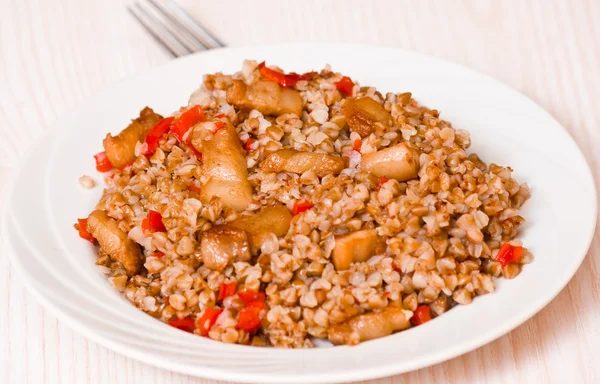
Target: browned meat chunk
{"points": [[369, 326], [114, 241], [398, 162], [290, 160], [120, 149], [269, 220], [356, 247], [363, 114], [223, 166], [222, 245], [267, 97]]}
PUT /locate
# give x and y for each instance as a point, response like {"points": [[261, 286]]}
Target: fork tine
{"points": [[191, 24], [180, 27], [160, 33]]}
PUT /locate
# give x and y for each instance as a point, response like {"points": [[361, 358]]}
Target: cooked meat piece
{"points": [[267, 97], [369, 326], [223, 166], [356, 247], [398, 162], [290, 102], [274, 220], [222, 245], [114, 241], [363, 114], [120, 149], [263, 96], [290, 160]]}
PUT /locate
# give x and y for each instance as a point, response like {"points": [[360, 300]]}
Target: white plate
{"points": [[506, 128]]}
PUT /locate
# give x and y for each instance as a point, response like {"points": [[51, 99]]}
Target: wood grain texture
{"points": [[54, 54]]}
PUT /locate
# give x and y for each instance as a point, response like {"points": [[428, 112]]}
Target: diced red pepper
{"points": [[249, 318], [301, 206], [382, 180], [158, 254], [153, 222], [102, 162], [156, 133], [509, 254], [308, 75], [345, 85], [283, 79], [187, 120], [194, 188], [220, 125], [357, 145], [421, 315], [184, 123], [185, 324], [83, 233], [259, 304], [248, 297], [517, 253], [248, 145], [208, 319], [227, 289]]}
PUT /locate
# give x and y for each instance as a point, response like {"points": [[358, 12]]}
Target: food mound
{"points": [[275, 209]]}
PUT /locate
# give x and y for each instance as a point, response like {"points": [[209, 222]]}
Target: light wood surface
{"points": [[54, 54]]}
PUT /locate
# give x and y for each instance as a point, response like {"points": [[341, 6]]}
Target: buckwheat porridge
{"points": [[278, 208]]}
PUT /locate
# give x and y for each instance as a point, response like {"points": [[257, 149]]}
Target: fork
{"points": [[173, 27]]}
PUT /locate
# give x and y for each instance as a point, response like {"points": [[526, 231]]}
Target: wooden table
{"points": [[55, 54]]}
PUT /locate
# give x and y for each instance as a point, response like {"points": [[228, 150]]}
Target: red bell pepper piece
{"points": [[308, 75], [153, 222], [184, 123], [208, 319], [280, 78], [382, 180], [249, 317], [185, 324], [83, 233], [345, 85], [194, 188], [509, 254], [283, 79], [227, 289], [258, 304], [102, 162], [220, 125], [187, 120], [156, 133], [301, 206], [421, 315], [357, 145], [248, 297], [248, 145]]}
